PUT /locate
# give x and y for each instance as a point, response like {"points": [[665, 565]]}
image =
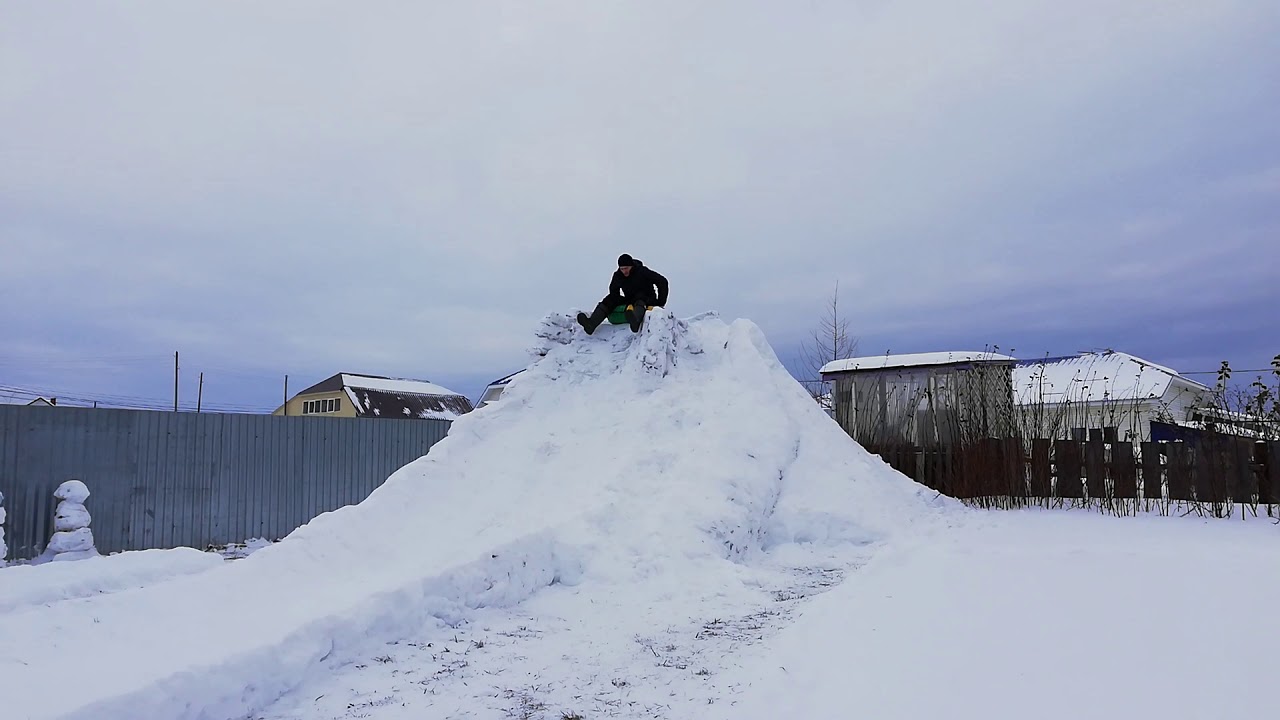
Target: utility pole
{"points": [[200, 392], [175, 381], [286, 394]]}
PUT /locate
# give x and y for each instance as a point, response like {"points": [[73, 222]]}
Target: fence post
{"points": [[1066, 454], [1258, 465], [1245, 488], [941, 471], [1152, 475], [946, 468], [1273, 473], [911, 468], [926, 474], [1180, 483], [1211, 464], [992, 479], [1041, 473], [1124, 475], [1095, 458], [1015, 467]]}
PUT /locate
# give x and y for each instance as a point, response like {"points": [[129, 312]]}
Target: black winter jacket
{"points": [[640, 284]]}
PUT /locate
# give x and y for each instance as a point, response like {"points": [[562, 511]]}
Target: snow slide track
{"points": [[502, 577]]}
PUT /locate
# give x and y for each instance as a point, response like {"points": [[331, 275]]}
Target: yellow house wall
{"points": [[295, 405]]}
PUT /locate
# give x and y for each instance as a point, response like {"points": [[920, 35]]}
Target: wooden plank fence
{"points": [[1210, 477]]}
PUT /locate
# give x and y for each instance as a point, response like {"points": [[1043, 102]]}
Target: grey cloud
{"points": [[321, 185]]}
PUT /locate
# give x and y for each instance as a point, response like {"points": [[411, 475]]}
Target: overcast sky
{"points": [[405, 189]]}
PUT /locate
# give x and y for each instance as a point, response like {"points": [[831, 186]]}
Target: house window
{"points": [[313, 407]]}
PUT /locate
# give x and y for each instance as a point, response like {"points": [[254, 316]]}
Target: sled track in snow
{"points": [[502, 664]]}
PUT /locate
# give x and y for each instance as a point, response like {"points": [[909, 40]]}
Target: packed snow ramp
{"points": [[617, 458]]}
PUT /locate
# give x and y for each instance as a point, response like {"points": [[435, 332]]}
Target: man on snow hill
{"points": [[632, 284]]}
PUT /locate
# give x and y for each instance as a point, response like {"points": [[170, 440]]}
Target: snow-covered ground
{"points": [[1001, 615], [1040, 614], [666, 525], [30, 585]]}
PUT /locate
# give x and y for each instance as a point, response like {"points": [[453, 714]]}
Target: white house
{"points": [[494, 390], [1097, 390]]}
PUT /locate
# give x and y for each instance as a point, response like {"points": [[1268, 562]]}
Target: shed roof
{"points": [[880, 362]]}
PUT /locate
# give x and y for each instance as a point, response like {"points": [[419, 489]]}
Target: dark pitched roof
{"points": [[391, 405], [330, 384], [504, 380]]}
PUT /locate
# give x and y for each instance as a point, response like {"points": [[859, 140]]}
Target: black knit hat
{"points": [[624, 260]]}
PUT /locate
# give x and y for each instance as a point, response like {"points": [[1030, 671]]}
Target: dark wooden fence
{"points": [[1211, 476]]}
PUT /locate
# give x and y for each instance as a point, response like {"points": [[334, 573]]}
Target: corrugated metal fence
{"points": [[162, 479]]}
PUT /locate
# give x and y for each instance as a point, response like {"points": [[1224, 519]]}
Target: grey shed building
{"points": [[923, 399]]}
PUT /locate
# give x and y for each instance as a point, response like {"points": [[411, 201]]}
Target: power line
{"points": [[111, 363], [127, 401], [1233, 371], [118, 362]]}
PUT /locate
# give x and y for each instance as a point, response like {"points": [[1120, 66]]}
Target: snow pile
{"points": [[654, 462], [4, 549], [72, 538], [26, 585]]}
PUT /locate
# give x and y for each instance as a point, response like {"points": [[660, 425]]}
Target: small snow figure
{"points": [[72, 539], [4, 549]]}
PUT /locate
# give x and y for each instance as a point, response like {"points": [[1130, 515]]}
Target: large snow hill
{"points": [[664, 460]]}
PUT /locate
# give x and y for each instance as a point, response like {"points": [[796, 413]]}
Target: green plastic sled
{"points": [[619, 315]]}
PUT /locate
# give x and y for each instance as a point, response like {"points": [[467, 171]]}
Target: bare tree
{"points": [[831, 340]]}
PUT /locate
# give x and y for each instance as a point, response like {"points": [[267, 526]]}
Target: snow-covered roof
{"points": [[390, 404], [1092, 377], [399, 385], [403, 398], [878, 362]]}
